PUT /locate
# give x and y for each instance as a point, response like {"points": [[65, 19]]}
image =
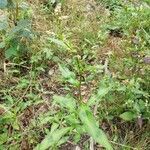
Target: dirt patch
{"points": [[32, 112]]}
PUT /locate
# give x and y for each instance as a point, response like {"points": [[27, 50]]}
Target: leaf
{"points": [[63, 140], [72, 119], [68, 75], [3, 4], [45, 119], [2, 45], [102, 91], [10, 52], [3, 138], [15, 124], [128, 116], [59, 43], [6, 110], [3, 25], [3, 21], [93, 130], [11, 4], [23, 29], [66, 102], [54, 127], [52, 138]]}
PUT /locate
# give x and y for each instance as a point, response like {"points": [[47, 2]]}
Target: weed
{"points": [[75, 74]]}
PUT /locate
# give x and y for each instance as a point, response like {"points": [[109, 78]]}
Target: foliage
{"points": [[75, 73], [52, 138], [15, 28]]}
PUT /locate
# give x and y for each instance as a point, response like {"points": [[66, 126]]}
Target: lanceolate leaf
{"points": [[59, 43], [65, 102], [102, 91], [128, 116], [51, 139], [68, 75], [92, 129]]}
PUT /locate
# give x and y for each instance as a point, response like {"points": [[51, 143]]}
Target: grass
{"points": [[80, 70]]}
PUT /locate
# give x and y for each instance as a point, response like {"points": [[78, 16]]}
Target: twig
{"points": [[106, 71], [91, 143], [80, 80], [14, 64], [130, 147], [123, 145], [5, 68]]}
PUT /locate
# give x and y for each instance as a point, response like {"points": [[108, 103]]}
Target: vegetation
{"points": [[74, 74]]}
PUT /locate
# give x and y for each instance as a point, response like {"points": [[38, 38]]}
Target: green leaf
{"points": [[102, 91], [3, 21], [2, 45], [72, 119], [54, 127], [3, 4], [91, 127], [23, 29], [11, 52], [68, 75], [65, 102], [45, 119], [63, 140], [128, 116], [15, 125], [59, 43], [3, 138], [52, 139]]}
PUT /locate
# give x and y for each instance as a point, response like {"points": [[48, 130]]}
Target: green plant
{"points": [[15, 28], [131, 21], [112, 4], [73, 112], [83, 81]]}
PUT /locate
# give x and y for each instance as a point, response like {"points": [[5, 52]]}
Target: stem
{"points": [[16, 13], [17, 10], [80, 96], [80, 80]]}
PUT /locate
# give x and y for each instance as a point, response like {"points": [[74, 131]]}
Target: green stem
{"points": [[16, 13], [80, 96], [80, 80]]}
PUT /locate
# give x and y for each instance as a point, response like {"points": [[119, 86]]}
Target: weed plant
{"points": [[72, 70]]}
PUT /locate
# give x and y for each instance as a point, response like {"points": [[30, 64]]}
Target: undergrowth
{"points": [[74, 74]]}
